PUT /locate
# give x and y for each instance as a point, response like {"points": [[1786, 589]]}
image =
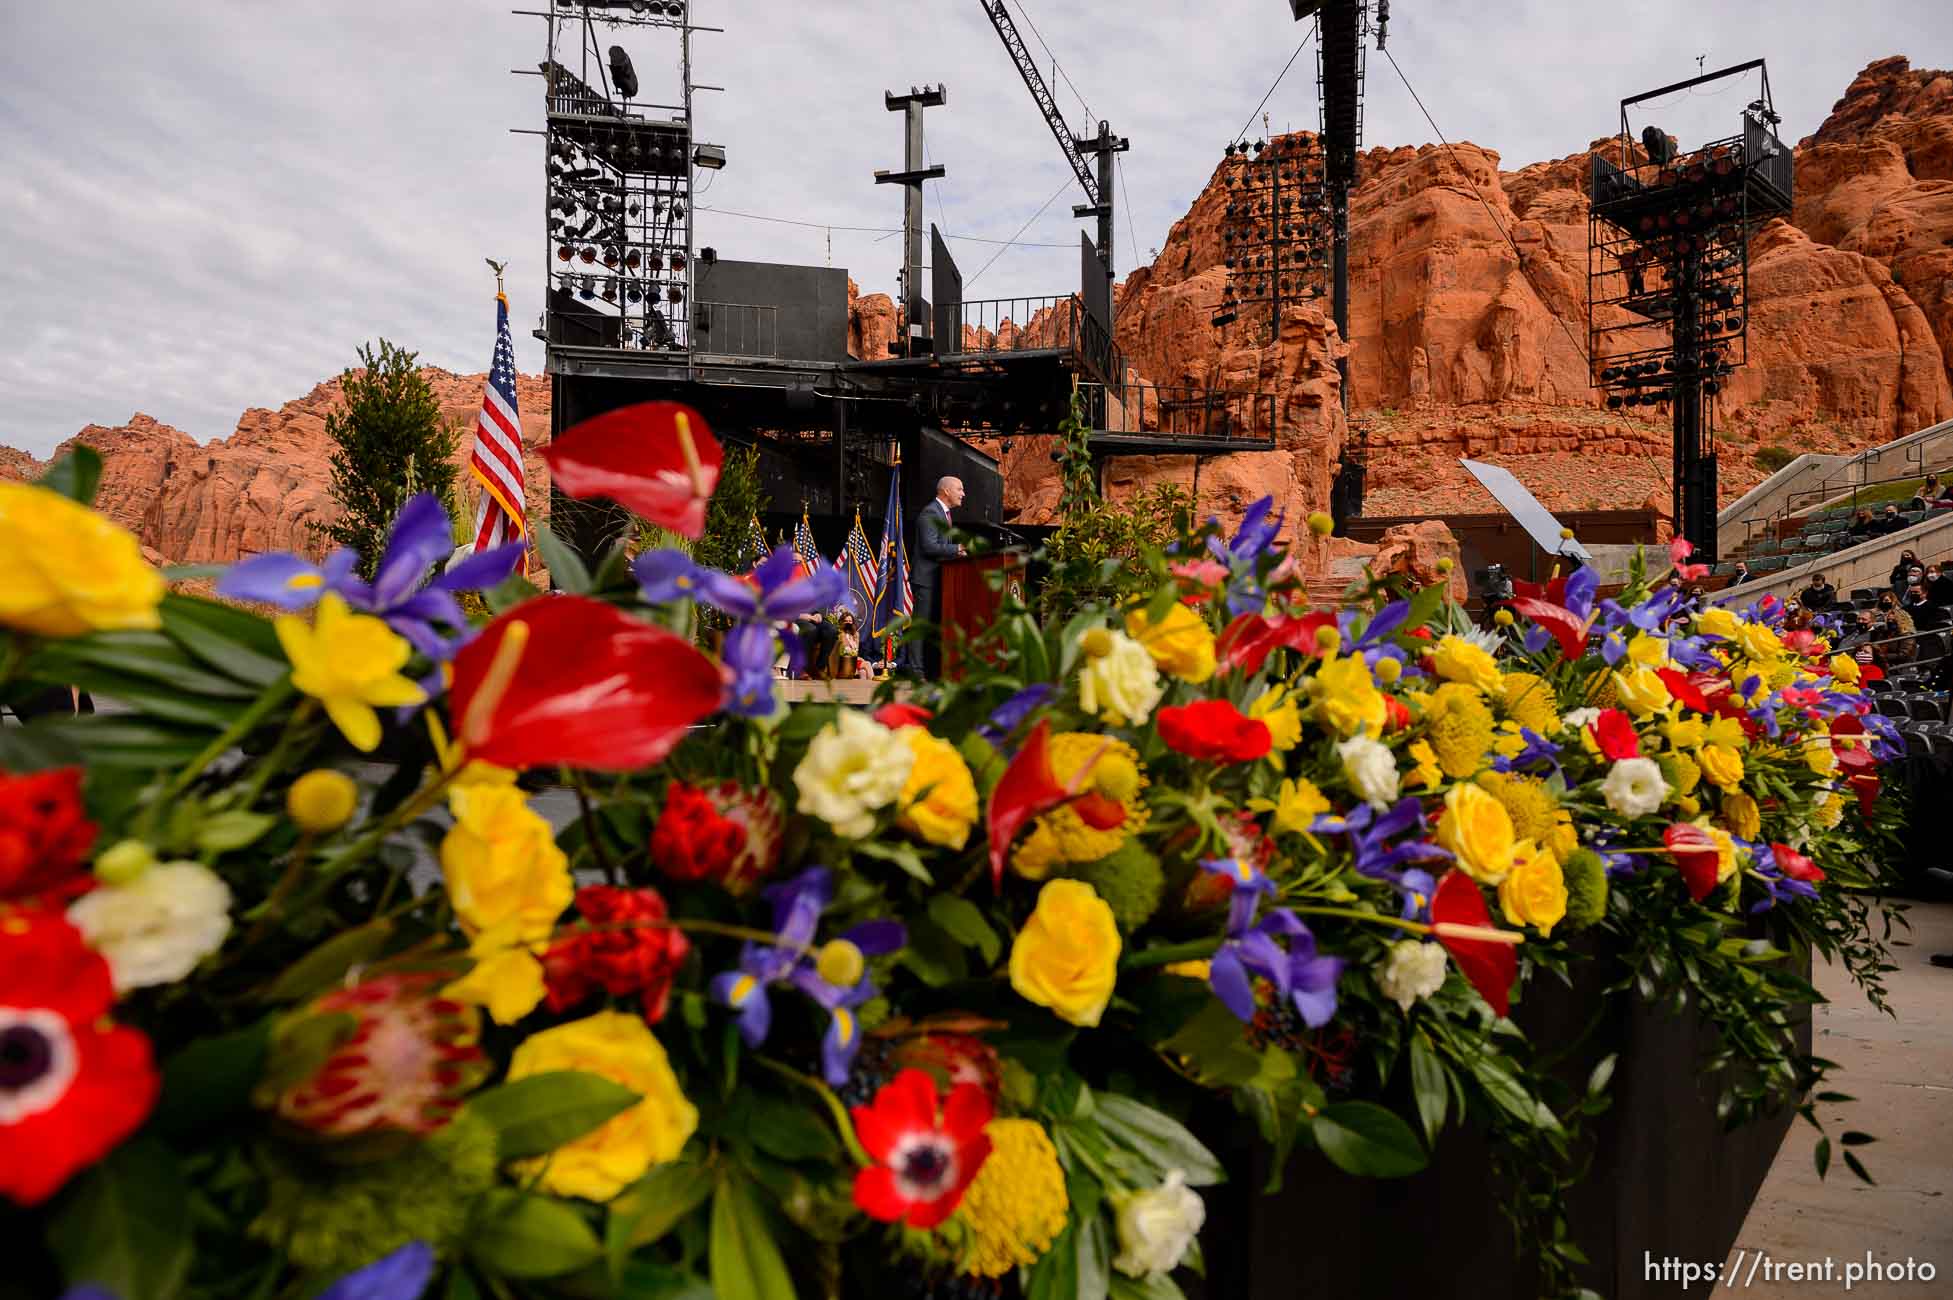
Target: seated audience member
{"points": [[1939, 585], [1891, 623], [818, 637], [1796, 618], [1820, 595], [1901, 574], [1864, 525], [1741, 574], [1891, 521], [847, 652], [1928, 494], [1920, 606]]}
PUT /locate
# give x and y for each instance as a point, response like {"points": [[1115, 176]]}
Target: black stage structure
{"points": [[1668, 277], [635, 311]]}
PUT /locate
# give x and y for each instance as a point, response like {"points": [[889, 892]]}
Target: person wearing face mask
{"points": [[1901, 576], [1916, 602]]}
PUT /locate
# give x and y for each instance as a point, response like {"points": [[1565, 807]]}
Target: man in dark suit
{"points": [[932, 547]]}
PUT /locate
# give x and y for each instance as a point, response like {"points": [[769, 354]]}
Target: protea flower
{"points": [[760, 812], [409, 1063]]}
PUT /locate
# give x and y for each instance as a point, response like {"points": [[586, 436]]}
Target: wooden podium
{"points": [[970, 604]]}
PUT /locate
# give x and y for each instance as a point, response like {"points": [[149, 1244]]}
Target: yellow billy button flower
{"points": [[1067, 955], [322, 800], [351, 664], [840, 963], [1097, 643], [1388, 670], [1320, 523], [1503, 618], [1181, 643], [68, 570], [123, 863]]}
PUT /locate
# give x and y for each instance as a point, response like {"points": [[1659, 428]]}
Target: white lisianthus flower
{"points": [[1371, 770], [1122, 685], [1634, 787], [854, 766], [1410, 971], [156, 928], [1157, 1226], [1578, 720]]}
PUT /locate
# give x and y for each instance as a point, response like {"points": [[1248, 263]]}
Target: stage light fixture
{"points": [[675, 294], [584, 289], [712, 157], [564, 252], [677, 261], [588, 254]]}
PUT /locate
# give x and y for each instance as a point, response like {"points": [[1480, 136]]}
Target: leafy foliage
{"points": [[389, 443]]}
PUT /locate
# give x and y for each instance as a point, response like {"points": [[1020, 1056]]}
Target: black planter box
{"points": [[1665, 1181]]}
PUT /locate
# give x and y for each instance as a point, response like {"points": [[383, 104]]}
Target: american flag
{"points": [[755, 546], [893, 595], [805, 551], [858, 562], [497, 457]]}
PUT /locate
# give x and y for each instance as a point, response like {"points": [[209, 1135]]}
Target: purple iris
{"points": [[1298, 973], [1007, 717], [1245, 594], [1370, 834], [1535, 638], [797, 908], [400, 593], [769, 596], [1539, 754], [403, 1275], [1581, 586], [1778, 888], [1380, 625]]}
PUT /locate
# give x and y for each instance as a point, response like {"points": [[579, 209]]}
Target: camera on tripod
{"points": [[1493, 584]]}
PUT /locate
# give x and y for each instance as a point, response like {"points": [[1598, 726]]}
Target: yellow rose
{"points": [[1717, 621], [1722, 765], [69, 570], [1742, 814], [1758, 642], [1845, 669], [1640, 691], [1276, 708], [608, 1159], [1067, 955], [939, 802], [1181, 643], [1347, 698], [1648, 651], [1459, 660], [1534, 891], [1477, 828], [502, 864], [1121, 684]]}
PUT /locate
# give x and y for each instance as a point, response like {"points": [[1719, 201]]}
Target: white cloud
{"points": [[210, 205]]}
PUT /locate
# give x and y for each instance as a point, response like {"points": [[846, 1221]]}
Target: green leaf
{"points": [[1216, 1047], [514, 1234], [1856, 1139], [211, 1078], [300, 1045], [1094, 1258], [125, 742], [1055, 1275], [34, 749], [1154, 1286], [124, 1224], [328, 963], [1603, 1073], [229, 640], [1821, 1157], [149, 657], [1427, 1083], [1160, 1140], [653, 1206], [1856, 1166], [1362, 1138], [226, 832], [963, 921], [935, 958], [567, 572], [745, 1260], [901, 854], [76, 476], [535, 1115], [510, 592], [787, 1131]]}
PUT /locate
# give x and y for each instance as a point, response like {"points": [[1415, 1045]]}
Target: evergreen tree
{"points": [[388, 443]]}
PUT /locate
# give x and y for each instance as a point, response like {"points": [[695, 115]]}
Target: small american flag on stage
{"points": [[755, 547], [805, 551], [496, 460], [858, 562]]}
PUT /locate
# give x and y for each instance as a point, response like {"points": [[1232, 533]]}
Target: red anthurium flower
{"points": [[73, 1084], [1458, 911], [1247, 642], [1027, 789], [1099, 810], [1567, 629], [1679, 549], [898, 714], [1683, 688], [1614, 732], [923, 1161], [1796, 865], [1695, 855], [656, 458], [1214, 730], [44, 835], [568, 679], [1553, 592], [627, 951]]}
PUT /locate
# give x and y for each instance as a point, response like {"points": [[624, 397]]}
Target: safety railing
{"points": [[1057, 322], [1181, 411]]}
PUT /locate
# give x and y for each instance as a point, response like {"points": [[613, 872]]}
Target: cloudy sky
{"points": [[211, 203]]}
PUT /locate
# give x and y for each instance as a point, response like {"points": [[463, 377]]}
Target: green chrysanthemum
{"points": [[1130, 880], [1586, 889]]}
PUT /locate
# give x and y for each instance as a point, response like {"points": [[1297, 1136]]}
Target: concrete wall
{"points": [[1868, 564], [1816, 480]]}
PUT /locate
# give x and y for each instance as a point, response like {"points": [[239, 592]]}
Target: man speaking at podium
{"points": [[932, 547]]}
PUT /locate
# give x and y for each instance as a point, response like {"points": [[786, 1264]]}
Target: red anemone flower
{"points": [[44, 835], [1490, 964], [73, 1084], [897, 714], [1696, 856], [1685, 689], [568, 679], [1615, 735], [656, 458], [1795, 865], [923, 1161], [1396, 715], [1214, 730]]}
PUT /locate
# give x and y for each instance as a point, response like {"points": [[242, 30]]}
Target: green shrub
{"points": [[1774, 457]]}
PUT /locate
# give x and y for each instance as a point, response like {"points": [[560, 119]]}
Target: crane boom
{"points": [[1014, 42]]}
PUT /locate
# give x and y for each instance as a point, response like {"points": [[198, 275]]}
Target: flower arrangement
{"points": [[301, 993]]}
